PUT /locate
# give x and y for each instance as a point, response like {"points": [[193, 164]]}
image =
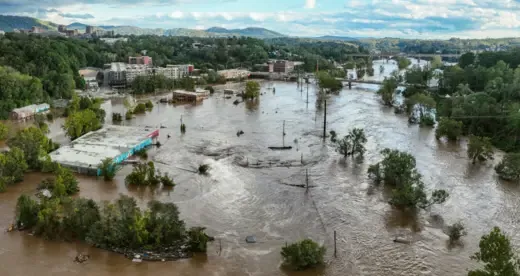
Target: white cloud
{"points": [[177, 14], [310, 4]]}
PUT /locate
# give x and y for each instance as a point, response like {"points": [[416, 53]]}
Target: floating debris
{"points": [[251, 239]]}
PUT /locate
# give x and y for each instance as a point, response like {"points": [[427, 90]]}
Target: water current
{"points": [[235, 201]]}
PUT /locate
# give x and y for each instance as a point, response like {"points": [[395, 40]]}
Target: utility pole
{"points": [[283, 134], [307, 179], [325, 117]]}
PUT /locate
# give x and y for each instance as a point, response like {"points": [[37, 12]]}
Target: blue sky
{"points": [[358, 18]]}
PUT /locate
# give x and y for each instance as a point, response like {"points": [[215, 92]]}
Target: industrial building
{"points": [[28, 112], [281, 66], [234, 74], [84, 154], [143, 60]]}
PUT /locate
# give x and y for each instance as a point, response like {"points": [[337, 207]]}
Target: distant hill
{"points": [[9, 22], [251, 31], [337, 38]]}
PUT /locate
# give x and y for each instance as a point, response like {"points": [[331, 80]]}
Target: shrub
{"points": [[456, 231], [302, 255], [149, 105], [197, 239]]}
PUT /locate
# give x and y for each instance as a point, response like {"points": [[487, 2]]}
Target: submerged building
{"points": [[28, 112], [84, 154]]}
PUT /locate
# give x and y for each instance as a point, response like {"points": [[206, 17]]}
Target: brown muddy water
{"points": [[235, 201]]}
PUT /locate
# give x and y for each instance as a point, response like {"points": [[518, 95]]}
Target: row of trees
{"points": [[118, 225]]}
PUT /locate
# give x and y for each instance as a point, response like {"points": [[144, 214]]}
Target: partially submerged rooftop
{"points": [[84, 154]]}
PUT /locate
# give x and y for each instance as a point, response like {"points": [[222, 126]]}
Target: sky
{"points": [[425, 19]]}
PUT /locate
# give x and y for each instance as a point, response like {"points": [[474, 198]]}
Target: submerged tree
{"points": [[480, 148], [509, 167], [397, 170], [203, 169], [26, 212], [456, 231], [252, 90], [424, 105], [353, 143], [387, 91], [448, 127], [497, 255], [34, 144], [107, 169], [197, 239], [303, 254]]}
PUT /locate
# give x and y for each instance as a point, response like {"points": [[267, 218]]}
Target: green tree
{"points": [[456, 231], [4, 131], [79, 216], [497, 255], [108, 169], [403, 63], [197, 239], [12, 167], [448, 127], [303, 254], [26, 212], [509, 167], [424, 104], [466, 59], [353, 143], [387, 91], [328, 83], [149, 105], [34, 144], [80, 123], [418, 75], [139, 108], [397, 170], [252, 90], [436, 62], [480, 148], [49, 224]]}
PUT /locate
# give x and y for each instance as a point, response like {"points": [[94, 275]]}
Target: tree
{"points": [[456, 231], [480, 148], [448, 127], [509, 167], [403, 63], [328, 83], [353, 143], [436, 62], [4, 131], [418, 75], [387, 91], [197, 239], [360, 73], [12, 167], [424, 105], [397, 170], [79, 216], [496, 254], [80, 123], [149, 105], [26, 212], [139, 108], [252, 90], [466, 59], [34, 144], [303, 254], [108, 169]]}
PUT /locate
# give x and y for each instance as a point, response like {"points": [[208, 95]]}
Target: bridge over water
{"points": [[389, 55]]}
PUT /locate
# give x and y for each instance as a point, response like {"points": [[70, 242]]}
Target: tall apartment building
{"points": [[144, 60], [117, 74], [169, 72], [134, 70], [89, 30], [62, 28]]}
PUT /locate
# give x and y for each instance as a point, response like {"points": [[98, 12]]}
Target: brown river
{"points": [[235, 201]]}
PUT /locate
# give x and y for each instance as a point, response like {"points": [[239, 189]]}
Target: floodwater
{"points": [[235, 201]]}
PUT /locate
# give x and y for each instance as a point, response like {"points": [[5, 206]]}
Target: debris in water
{"points": [[81, 258], [11, 228], [236, 102], [240, 132], [402, 240], [251, 239]]}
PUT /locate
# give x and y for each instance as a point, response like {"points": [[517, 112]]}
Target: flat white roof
{"points": [[109, 142]]}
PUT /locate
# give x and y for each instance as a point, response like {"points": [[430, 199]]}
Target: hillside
{"points": [[251, 31], [9, 22]]}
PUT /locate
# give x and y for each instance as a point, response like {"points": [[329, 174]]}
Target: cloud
{"points": [[310, 4], [77, 15], [399, 18]]}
